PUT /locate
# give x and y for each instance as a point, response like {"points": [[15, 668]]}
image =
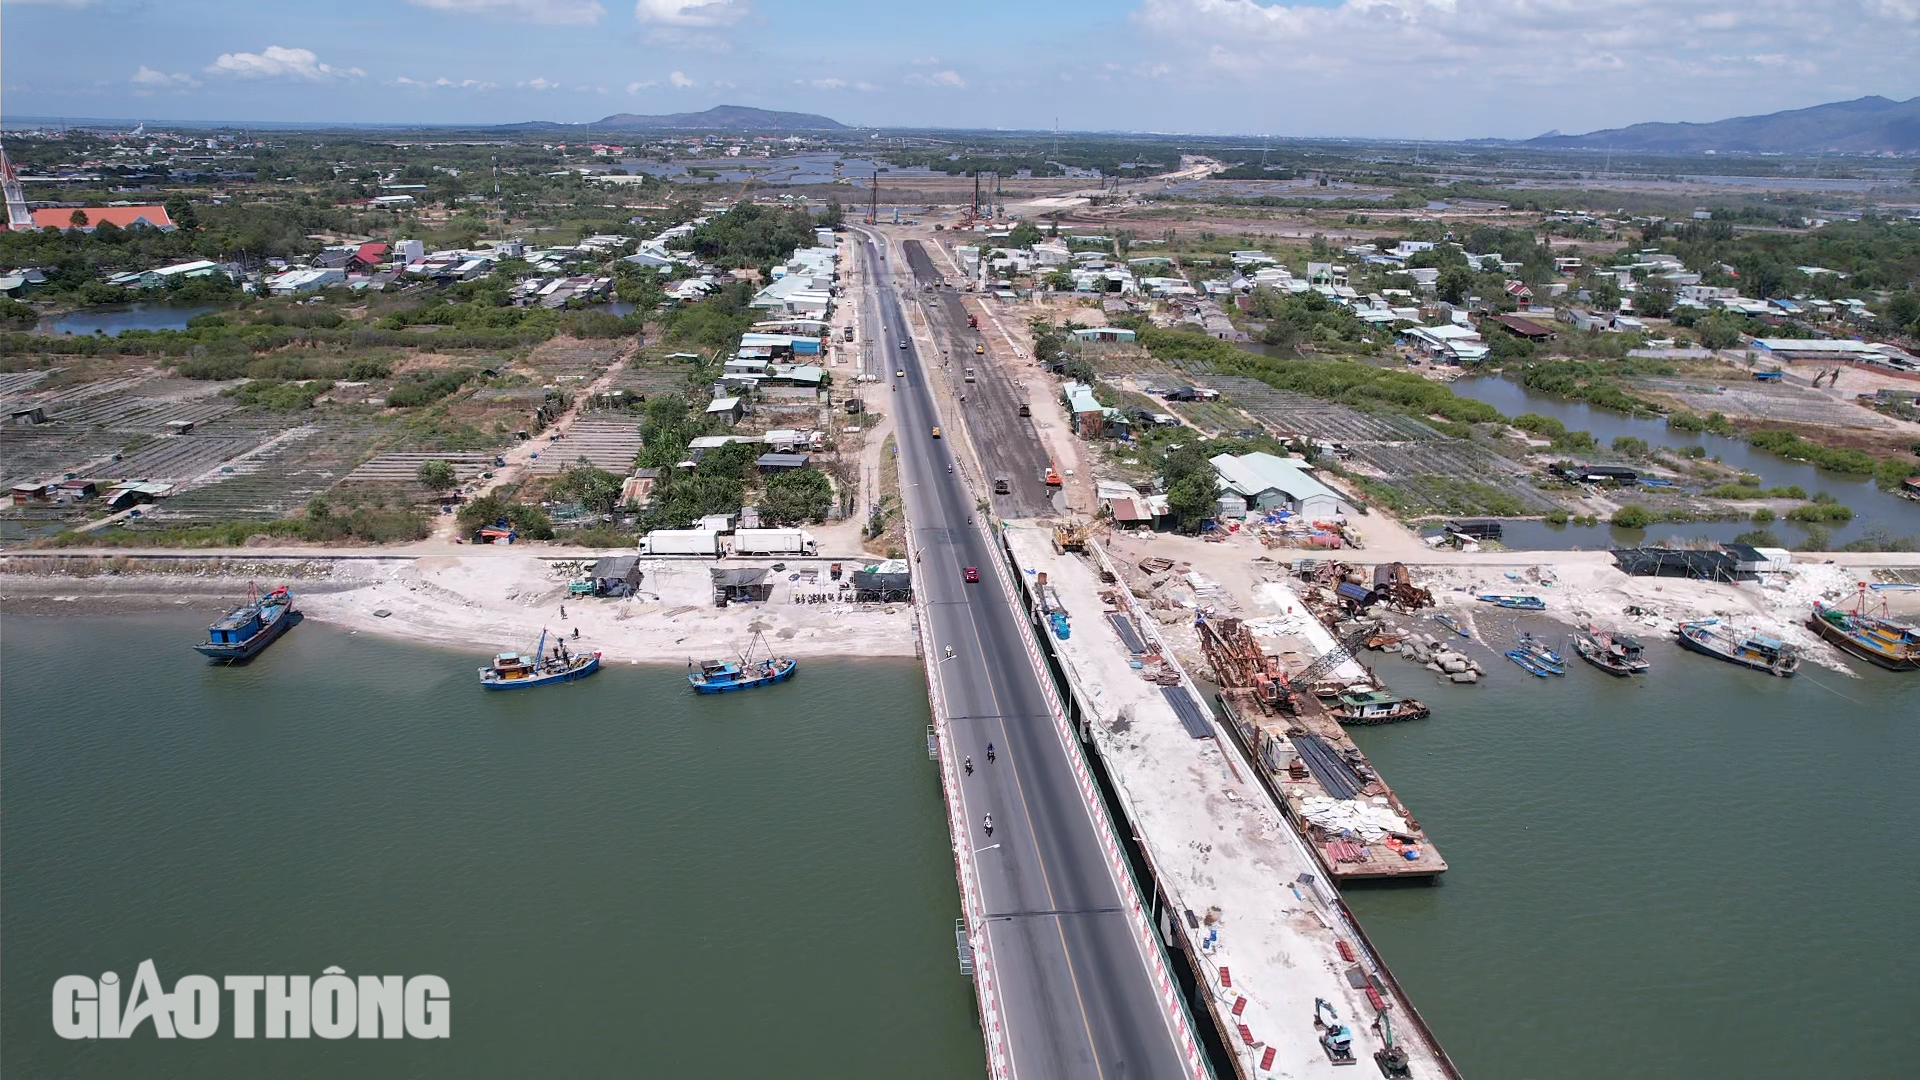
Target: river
{"points": [[615, 876], [1873, 509], [1672, 877]]}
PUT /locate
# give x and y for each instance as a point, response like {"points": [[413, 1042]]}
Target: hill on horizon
{"points": [[718, 118], [1868, 125]]}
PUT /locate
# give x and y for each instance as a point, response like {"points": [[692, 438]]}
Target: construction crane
{"points": [[1344, 649], [1243, 668]]}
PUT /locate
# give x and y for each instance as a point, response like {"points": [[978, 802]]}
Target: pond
{"points": [[1873, 510], [114, 319]]}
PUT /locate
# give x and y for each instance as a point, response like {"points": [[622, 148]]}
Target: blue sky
{"points": [[1439, 69]]}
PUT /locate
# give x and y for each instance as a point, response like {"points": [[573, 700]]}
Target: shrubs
{"points": [[277, 396], [1632, 516], [1794, 448], [426, 387], [1824, 512]]}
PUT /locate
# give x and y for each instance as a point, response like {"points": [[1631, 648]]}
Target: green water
{"points": [[1702, 873], [616, 877], [1708, 872]]}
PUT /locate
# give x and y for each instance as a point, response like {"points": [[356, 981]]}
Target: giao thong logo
{"points": [[332, 1006]]}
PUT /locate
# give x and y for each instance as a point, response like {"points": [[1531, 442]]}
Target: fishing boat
{"points": [[1615, 654], [518, 671], [1452, 624], [1513, 601], [751, 670], [1377, 707], [1546, 657], [242, 633], [1873, 636], [1748, 650], [1532, 664]]}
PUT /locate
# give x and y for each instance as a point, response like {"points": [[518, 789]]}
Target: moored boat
{"points": [[1377, 707], [1513, 601], [1875, 637], [518, 671], [242, 633], [1615, 654], [1452, 624], [1545, 657], [1754, 651], [751, 670]]}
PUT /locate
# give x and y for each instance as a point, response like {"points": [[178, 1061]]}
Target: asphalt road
{"points": [[1077, 995], [1008, 444]]}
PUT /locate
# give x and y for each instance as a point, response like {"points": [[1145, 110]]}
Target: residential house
{"points": [[1449, 344], [727, 410], [1092, 420]]}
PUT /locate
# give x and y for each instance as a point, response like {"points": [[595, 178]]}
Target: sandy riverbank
{"points": [[493, 602]]}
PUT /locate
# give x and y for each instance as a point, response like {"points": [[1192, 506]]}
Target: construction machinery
{"points": [[1393, 1058], [1243, 670], [1053, 476], [1070, 537], [1335, 1038], [973, 322]]}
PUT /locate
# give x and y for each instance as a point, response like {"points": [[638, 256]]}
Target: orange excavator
{"points": [[1053, 476]]}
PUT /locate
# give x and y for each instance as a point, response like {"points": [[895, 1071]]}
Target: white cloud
{"points": [[948, 78], [550, 12], [636, 87], [690, 14], [538, 83], [150, 80], [1572, 64], [680, 81], [444, 83], [832, 83], [275, 62]]}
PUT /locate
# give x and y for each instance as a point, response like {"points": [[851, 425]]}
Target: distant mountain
{"points": [[718, 118], [1868, 125]]}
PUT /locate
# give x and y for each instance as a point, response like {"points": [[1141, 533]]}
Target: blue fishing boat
{"points": [[1452, 624], [1514, 601], [242, 633], [751, 670], [1527, 660], [518, 671], [1546, 657]]}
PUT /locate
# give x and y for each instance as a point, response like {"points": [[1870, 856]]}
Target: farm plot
{"points": [[181, 458], [607, 441], [1288, 413], [50, 451], [19, 382], [402, 468], [1782, 401], [279, 477], [570, 360]]}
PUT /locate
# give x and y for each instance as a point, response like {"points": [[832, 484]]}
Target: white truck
{"points": [[774, 542], [681, 542]]}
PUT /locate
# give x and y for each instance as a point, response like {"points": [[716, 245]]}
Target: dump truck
{"points": [[680, 542], [973, 322], [774, 542], [1002, 486]]}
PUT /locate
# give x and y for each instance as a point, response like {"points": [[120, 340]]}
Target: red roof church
{"points": [[61, 217]]}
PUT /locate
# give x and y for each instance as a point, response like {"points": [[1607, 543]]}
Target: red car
{"points": [[972, 574]]}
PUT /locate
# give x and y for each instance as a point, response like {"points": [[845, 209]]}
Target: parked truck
{"points": [[774, 542], [681, 542], [969, 374]]}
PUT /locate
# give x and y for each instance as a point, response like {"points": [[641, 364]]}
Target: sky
{"points": [[1424, 69]]}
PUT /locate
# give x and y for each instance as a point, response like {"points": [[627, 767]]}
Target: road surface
{"points": [[1074, 986]]}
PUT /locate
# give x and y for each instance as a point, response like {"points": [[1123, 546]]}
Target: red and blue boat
{"points": [[746, 673], [247, 630]]}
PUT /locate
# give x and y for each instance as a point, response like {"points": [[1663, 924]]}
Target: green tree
{"points": [[597, 489], [801, 495], [1024, 235], [78, 219], [1455, 284], [1191, 500], [1632, 516], [436, 474]]}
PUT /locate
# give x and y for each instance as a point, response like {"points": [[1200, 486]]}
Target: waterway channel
{"points": [[1694, 874], [616, 877], [1874, 511]]}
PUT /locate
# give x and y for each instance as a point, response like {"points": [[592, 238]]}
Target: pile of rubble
{"points": [[1427, 651]]}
